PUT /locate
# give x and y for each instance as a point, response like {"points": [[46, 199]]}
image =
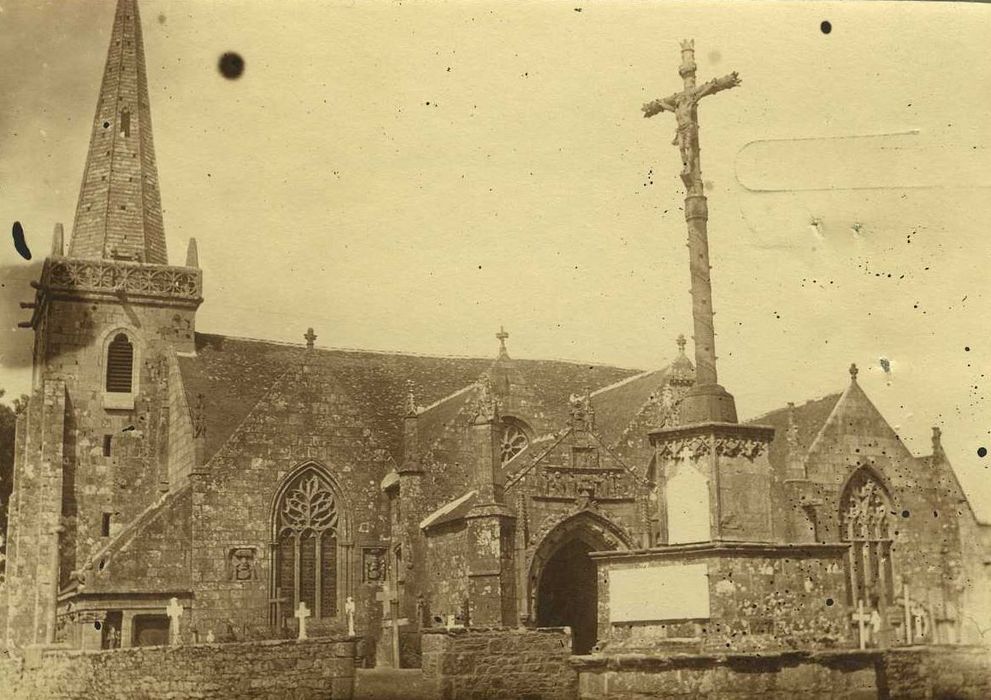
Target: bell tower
{"points": [[94, 448]]}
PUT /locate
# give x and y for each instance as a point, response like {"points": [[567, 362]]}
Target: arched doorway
{"points": [[563, 581]]}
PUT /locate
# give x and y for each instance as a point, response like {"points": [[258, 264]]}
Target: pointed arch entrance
{"points": [[563, 582]]}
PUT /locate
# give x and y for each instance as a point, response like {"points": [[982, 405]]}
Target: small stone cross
{"points": [[310, 338], [862, 618], [502, 336], [302, 612], [174, 611]]}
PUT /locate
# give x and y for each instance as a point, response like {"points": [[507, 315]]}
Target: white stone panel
{"points": [[675, 592], [687, 500]]}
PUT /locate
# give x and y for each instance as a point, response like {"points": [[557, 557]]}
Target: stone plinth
{"points": [[716, 481], [722, 596]]}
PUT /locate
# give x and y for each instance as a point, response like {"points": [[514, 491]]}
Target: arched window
{"points": [[306, 536], [120, 365], [864, 511], [514, 438]]}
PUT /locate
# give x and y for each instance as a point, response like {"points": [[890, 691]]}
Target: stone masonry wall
{"points": [[770, 599], [925, 505], [316, 668], [962, 673], [515, 664], [306, 418]]}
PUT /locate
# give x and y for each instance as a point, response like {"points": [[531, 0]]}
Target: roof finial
{"points": [[310, 338], [410, 398], [502, 336], [937, 440], [853, 372], [486, 404], [582, 411]]}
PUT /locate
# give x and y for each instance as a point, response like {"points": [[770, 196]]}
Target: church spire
{"points": [[119, 214]]}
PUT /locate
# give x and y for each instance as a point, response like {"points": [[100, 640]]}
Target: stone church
{"points": [[246, 479]]}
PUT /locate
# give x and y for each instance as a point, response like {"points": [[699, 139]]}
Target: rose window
{"points": [[514, 441]]}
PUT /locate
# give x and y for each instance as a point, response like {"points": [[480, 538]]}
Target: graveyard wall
{"points": [[313, 668], [500, 663], [963, 673]]}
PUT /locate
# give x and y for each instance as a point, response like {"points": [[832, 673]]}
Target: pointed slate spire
{"points": [[119, 214]]}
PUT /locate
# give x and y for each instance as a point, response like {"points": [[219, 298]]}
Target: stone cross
{"points": [[862, 618], [389, 596], [302, 612], [349, 611], [502, 336], [174, 611], [684, 106], [908, 614]]}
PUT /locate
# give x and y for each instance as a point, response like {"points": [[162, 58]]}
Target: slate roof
{"points": [[616, 406], [233, 374], [809, 417]]}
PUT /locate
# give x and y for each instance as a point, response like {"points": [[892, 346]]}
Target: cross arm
{"points": [[717, 84], [666, 104]]}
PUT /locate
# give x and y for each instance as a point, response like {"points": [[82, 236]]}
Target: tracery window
{"points": [[864, 512], [514, 439], [306, 545], [120, 365]]}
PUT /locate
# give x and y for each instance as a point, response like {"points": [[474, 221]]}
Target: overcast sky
{"points": [[409, 177]]}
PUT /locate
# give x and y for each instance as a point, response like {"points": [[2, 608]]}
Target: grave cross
{"points": [[388, 596], [302, 612], [862, 618], [174, 611], [908, 614]]}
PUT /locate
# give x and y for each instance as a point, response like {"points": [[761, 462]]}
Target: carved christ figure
{"points": [[684, 105]]}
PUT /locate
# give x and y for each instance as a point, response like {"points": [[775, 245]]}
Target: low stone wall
{"points": [[960, 673], [926, 673], [315, 668], [516, 664], [775, 675]]}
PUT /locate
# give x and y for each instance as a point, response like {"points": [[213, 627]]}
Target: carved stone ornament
{"points": [[242, 564], [117, 277], [693, 447], [732, 446], [373, 565]]}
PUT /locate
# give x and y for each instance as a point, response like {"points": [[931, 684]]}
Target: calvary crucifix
{"points": [[707, 400]]}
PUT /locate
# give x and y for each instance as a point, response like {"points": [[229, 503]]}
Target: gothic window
{"points": [[864, 511], [120, 365], [125, 122], [514, 439], [306, 522]]}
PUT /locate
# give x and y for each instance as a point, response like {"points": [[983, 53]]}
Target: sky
{"points": [[409, 177]]}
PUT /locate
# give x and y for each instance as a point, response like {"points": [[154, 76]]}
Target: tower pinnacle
{"points": [[119, 214]]}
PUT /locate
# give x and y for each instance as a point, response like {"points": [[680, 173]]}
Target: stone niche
{"points": [[726, 596]]}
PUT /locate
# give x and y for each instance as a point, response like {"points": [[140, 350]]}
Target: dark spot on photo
{"points": [[826, 27], [231, 65], [20, 245]]}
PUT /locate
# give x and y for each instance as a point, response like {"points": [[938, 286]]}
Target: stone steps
{"points": [[392, 684]]}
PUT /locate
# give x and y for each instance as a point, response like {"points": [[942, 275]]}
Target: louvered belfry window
{"points": [[120, 365]]}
